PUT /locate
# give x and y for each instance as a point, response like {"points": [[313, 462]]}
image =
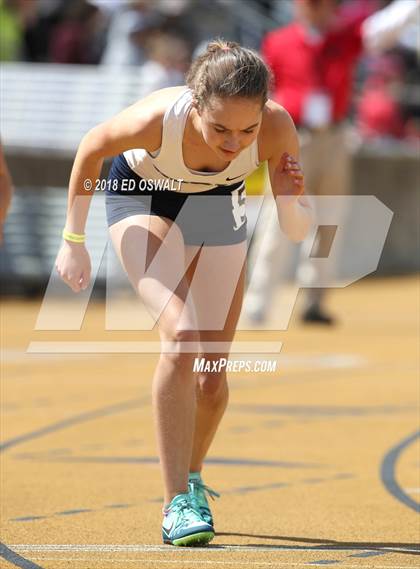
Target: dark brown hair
{"points": [[227, 69]]}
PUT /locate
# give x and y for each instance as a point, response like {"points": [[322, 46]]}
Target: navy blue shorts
{"points": [[214, 217]]}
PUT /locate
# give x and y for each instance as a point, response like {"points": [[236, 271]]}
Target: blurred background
{"points": [[67, 65]]}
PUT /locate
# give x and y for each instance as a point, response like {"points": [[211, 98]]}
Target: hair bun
{"points": [[226, 69], [221, 45]]}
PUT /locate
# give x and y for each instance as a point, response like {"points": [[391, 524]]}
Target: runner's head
{"points": [[230, 88]]}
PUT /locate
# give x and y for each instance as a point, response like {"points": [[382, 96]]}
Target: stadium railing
{"points": [[46, 110]]}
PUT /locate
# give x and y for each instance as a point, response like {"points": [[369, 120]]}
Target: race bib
{"points": [[238, 208], [317, 110]]}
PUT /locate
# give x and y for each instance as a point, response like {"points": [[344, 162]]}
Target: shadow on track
{"points": [[327, 544]]}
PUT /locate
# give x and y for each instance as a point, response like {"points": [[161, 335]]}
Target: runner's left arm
{"points": [[287, 181]]}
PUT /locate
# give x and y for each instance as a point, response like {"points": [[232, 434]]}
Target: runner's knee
{"points": [[180, 347], [212, 386]]}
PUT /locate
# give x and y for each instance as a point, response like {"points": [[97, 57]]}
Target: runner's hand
{"points": [[73, 265], [288, 178]]}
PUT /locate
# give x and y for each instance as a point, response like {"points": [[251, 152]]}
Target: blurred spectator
{"points": [[130, 28], [313, 60], [39, 25], [168, 60], [172, 8], [111, 32], [11, 31], [26, 27], [77, 38], [379, 114], [110, 6]]}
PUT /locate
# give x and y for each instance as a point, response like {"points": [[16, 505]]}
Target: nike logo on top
{"points": [[201, 183], [235, 177]]}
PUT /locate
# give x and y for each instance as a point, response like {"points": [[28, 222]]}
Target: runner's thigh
{"points": [[216, 286], [151, 250]]}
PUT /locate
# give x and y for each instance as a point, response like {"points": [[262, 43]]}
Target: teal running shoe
{"points": [[183, 525], [199, 490]]}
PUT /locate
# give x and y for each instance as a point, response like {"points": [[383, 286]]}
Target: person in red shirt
{"points": [[378, 113], [313, 60], [316, 54]]}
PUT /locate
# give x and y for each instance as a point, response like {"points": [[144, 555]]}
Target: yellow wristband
{"points": [[73, 237]]}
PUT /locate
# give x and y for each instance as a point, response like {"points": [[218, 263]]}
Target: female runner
{"points": [[175, 210]]}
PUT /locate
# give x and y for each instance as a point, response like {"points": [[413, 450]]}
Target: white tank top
{"points": [[167, 163]]}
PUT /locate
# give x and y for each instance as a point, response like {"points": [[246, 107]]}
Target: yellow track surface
{"points": [[317, 464]]}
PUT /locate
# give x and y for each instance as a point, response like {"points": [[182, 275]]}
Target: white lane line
{"points": [[140, 560], [213, 562], [412, 490], [112, 347], [10, 355], [92, 548]]}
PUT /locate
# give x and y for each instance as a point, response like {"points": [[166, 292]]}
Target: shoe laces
{"points": [[199, 486], [185, 508]]}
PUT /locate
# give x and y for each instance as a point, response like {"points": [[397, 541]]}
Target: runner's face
{"points": [[230, 125]]}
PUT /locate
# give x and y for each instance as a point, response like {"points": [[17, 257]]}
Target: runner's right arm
{"points": [[138, 126]]}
